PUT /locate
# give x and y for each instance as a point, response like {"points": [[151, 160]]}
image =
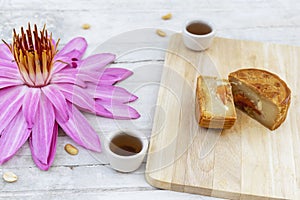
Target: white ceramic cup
{"points": [[125, 163], [200, 39]]}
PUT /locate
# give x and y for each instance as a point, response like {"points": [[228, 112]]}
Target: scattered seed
{"points": [[86, 26], [161, 33], [10, 177], [167, 16], [70, 149]]}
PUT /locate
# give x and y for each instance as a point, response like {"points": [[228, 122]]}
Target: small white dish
{"points": [[124, 158], [198, 34]]}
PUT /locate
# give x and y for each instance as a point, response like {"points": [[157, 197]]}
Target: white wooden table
{"points": [[88, 175]]}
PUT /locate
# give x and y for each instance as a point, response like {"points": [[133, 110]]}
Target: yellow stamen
{"points": [[20, 60], [30, 63], [44, 63], [37, 62], [34, 54]]}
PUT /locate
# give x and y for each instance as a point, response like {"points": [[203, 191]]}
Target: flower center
{"points": [[34, 54]]}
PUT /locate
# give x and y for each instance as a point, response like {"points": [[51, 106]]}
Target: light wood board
{"points": [[245, 162]]}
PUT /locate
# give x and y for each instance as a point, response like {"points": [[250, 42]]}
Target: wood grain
{"points": [[271, 21], [246, 161]]}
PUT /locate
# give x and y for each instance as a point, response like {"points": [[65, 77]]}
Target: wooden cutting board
{"points": [[246, 161]]}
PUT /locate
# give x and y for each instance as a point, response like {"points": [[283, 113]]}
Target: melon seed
{"points": [[167, 16], [70, 149], [86, 26], [10, 177], [161, 33]]}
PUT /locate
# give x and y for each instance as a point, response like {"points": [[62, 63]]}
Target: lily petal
{"points": [[111, 93], [58, 65], [58, 100], [97, 62], [78, 43], [84, 75], [12, 68], [66, 61], [7, 82], [10, 73], [67, 78], [5, 53], [42, 131], [10, 104], [30, 105], [8, 63], [67, 57], [113, 75], [78, 96], [82, 133], [102, 111], [51, 156], [13, 137], [89, 78], [119, 110]]}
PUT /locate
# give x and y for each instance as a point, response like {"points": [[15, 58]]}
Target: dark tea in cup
{"points": [[126, 149], [125, 145], [198, 34], [199, 28]]}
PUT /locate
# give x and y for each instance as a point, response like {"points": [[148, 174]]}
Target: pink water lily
{"points": [[42, 88]]}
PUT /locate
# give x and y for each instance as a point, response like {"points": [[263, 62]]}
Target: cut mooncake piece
{"points": [[215, 106], [262, 95]]}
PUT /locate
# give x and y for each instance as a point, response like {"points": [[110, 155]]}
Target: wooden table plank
{"points": [[273, 21]]}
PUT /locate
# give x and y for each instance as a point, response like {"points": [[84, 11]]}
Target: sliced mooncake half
{"points": [[215, 106], [262, 95]]}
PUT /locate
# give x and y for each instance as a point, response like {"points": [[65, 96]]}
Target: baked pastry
{"points": [[262, 95], [215, 106]]}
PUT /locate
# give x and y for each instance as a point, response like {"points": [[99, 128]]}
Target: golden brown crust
{"points": [[267, 85], [207, 119], [282, 116]]}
